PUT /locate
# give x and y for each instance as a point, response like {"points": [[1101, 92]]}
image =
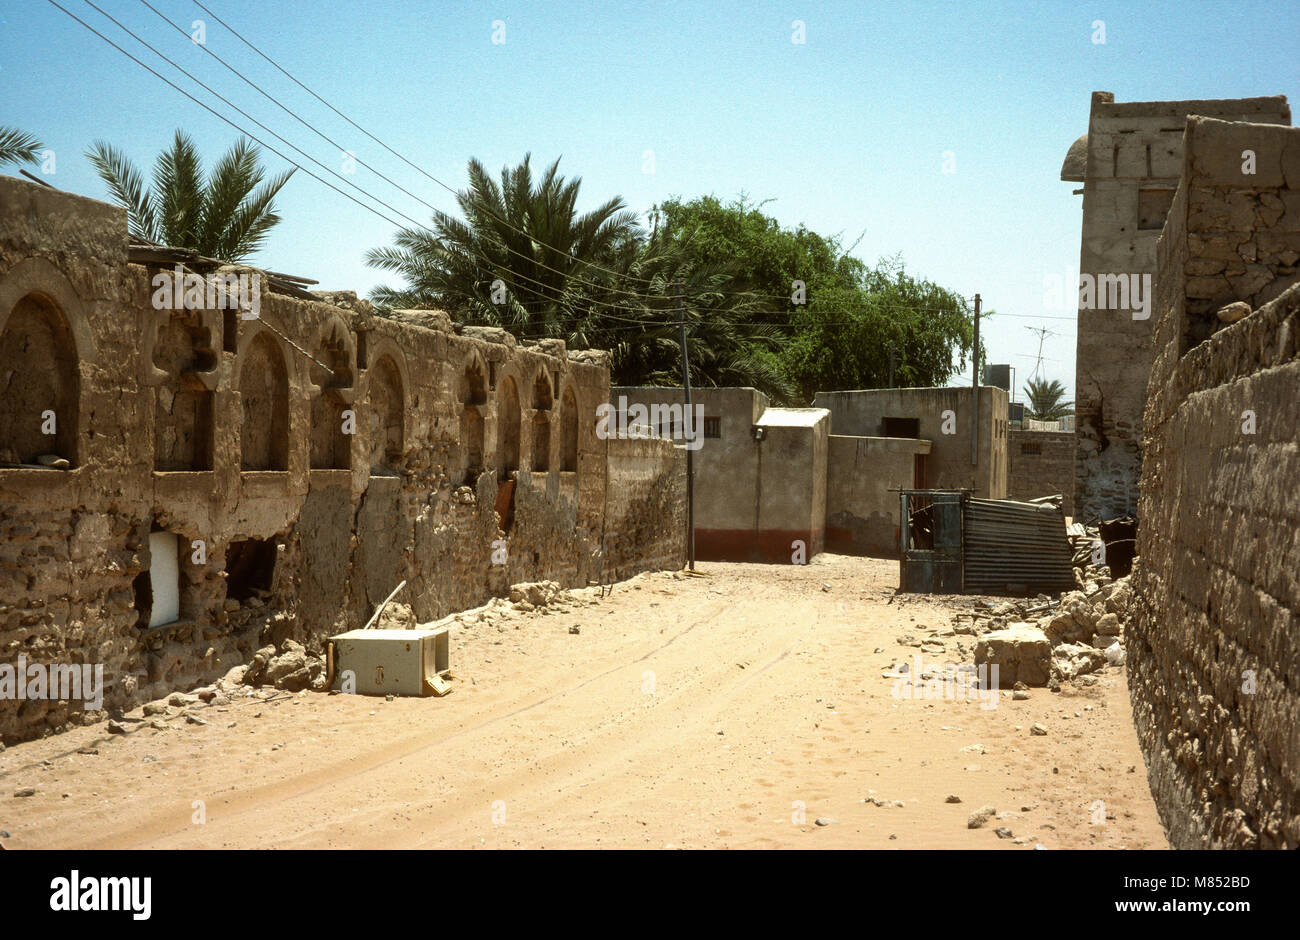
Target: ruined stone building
{"points": [[1129, 163], [828, 476], [1214, 633], [182, 482]]}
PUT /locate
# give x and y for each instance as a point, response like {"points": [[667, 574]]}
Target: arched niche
{"points": [[508, 419], [264, 392], [472, 393], [183, 357], [542, 402], [385, 413], [40, 383], [332, 380], [569, 431], [36, 288]]}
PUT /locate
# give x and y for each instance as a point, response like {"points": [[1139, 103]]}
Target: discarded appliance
{"points": [[954, 543], [390, 662]]}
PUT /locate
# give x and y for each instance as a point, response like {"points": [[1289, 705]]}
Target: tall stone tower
{"points": [[1129, 163]]}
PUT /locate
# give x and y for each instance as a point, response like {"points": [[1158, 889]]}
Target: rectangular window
{"points": [[712, 427], [1153, 206], [900, 427]]}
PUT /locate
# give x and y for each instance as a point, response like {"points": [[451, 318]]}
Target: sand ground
{"points": [[732, 710]]}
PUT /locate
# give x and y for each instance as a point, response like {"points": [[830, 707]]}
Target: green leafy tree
{"points": [[596, 280], [1045, 400], [18, 147], [226, 215]]}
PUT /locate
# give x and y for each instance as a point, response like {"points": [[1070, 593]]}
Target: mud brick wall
{"points": [[1214, 636], [1041, 464], [472, 463]]}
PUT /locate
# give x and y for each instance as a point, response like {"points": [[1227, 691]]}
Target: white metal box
{"points": [[391, 662]]}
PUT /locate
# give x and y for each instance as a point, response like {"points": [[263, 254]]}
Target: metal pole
{"points": [[686, 416], [975, 391]]}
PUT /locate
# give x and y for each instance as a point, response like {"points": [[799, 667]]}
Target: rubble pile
{"points": [[1044, 642]]}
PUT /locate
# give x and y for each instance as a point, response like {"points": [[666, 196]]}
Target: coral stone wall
{"points": [[305, 460], [1214, 637]]}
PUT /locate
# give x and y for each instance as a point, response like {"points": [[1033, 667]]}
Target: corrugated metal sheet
{"points": [[1013, 547]]}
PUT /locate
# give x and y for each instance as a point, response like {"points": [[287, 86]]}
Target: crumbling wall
{"points": [[1041, 464], [645, 506], [209, 426], [1214, 644]]}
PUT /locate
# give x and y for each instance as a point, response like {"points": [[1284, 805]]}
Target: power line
{"points": [[491, 264], [269, 97], [399, 156]]}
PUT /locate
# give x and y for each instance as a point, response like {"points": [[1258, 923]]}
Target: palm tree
{"points": [[225, 216], [526, 235], [1045, 402], [18, 147]]}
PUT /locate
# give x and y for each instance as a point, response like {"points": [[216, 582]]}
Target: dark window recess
{"points": [[1031, 448], [1153, 206], [900, 427], [230, 331], [143, 588], [250, 566], [712, 427], [361, 349]]}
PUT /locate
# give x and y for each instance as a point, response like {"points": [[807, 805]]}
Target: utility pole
{"points": [[686, 417], [975, 391]]}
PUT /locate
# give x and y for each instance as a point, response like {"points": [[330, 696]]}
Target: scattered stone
{"points": [[25, 791], [1233, 312], [980, 817], [389, 697], [159, 707], [116, 727], [824, 820], [194, 719], [87, 750], [1038, 728], [952, 798], [1022, 653], [1019, 695], [575, 629], [1002, 832]]}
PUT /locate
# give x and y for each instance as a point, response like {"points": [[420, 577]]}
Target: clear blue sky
{"points": [[845, 133]]}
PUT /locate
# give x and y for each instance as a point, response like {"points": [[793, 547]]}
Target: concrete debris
{"points": [[1021, 652], [1078, 634]]}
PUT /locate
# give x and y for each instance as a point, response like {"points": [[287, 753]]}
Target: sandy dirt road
{"points": [[732, 710]]}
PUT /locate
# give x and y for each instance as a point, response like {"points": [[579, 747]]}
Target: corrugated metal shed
{"points": [[957, 543], [1015, 548]]}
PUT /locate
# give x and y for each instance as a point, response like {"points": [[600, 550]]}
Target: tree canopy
{"points": [[788, 311], [225, 215]]}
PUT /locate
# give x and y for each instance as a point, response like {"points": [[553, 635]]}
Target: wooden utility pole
{"points": [[686, 417], [975, 391]]}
